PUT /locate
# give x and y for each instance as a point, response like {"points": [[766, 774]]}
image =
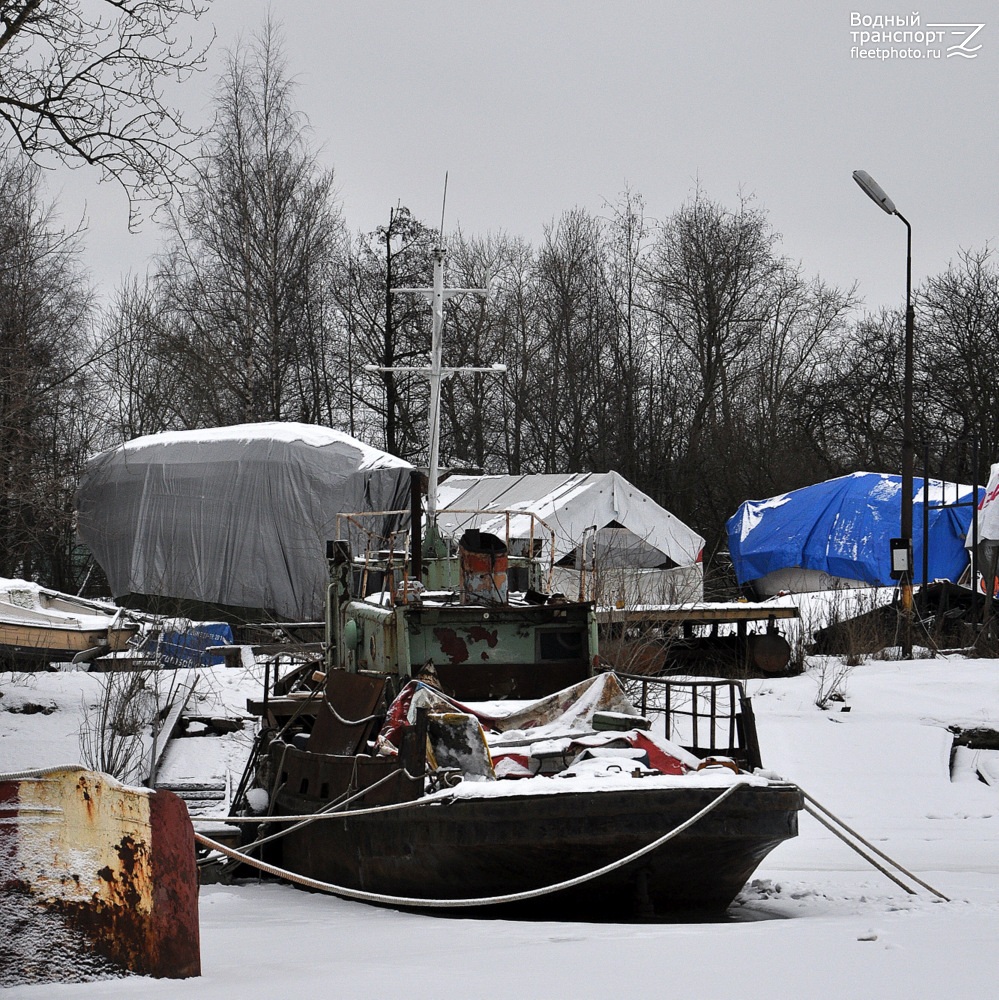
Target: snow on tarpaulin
{"points": [[642, 552], [507, 732], [842, 528], [231, 517]]}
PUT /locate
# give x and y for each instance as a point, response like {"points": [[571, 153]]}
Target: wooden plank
{"points": [[694, 615], [181, 698], [286, 704], [311, 650]]}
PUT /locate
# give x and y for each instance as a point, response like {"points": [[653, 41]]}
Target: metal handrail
{"points": [[737, 721], [387, 562]]}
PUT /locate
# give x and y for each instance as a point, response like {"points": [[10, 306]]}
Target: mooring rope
{"points": [[814, 813], [357, 894], [332, 811], [513, 897], [41, 772]]}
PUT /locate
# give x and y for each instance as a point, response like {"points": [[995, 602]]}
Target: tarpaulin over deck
{"points": [[613, 544], [234, 517]]}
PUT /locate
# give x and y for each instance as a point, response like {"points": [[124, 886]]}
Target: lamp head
{"points": [[874, 191]]}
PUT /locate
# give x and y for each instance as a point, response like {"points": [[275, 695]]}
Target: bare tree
{"points": [[624, 436], [753, 339], [247, 277], [84, 82], [476, 334], [858, 406], [140, 387], [799, 339], [44, 316], [391, 330], [576, 324], [712, 272], [958, 367], [512, 313], [112, 728], [713, 269]]}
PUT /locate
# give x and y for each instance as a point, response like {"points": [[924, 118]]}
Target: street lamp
{"points": [[901, 553]]}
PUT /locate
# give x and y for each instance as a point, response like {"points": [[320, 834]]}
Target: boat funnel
{"points": [[483, 559]]}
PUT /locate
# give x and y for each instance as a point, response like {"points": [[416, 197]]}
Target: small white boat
{"points": [[39, 626]]}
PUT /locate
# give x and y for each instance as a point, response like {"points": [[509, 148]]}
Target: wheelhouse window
{"points": [[561, 644]]}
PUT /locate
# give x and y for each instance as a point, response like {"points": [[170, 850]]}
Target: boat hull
{"points": [[473, 847], [39, 626], [35, 645]]}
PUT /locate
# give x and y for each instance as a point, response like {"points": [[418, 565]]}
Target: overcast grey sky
{"points": [[534, 107]]}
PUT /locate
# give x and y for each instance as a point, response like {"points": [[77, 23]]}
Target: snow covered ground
{"points": [[815, 921]]}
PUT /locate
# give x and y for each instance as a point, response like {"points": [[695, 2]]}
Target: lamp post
{"points": [[902, 553]]}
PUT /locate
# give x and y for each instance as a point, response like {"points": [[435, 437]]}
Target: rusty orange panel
{"points": [[100, 878]]}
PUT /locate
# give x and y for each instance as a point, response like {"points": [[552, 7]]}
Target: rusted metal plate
{"points": [[98, 878], [312, 780], [356, 698]]}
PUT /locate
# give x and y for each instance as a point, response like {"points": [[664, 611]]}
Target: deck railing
{"points": [[705, 716], [385, 557]]}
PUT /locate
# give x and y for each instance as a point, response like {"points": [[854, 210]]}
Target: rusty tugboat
{"points": [[465, 746]]}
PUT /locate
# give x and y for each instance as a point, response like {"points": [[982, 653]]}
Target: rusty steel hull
{"points": [[97, 879], [495, 845]]}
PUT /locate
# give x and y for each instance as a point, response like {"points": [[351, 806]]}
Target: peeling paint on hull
{"points": [[98, 879]]}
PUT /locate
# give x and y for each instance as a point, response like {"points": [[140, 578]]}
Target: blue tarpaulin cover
{"points": [[188, 646], [842, 527]]}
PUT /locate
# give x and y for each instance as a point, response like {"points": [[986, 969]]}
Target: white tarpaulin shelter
{"points": [[988, 511], [988, 530], [231, 517], [626, 547]]}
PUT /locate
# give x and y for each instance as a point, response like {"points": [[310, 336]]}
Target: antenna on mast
{"points": [[443, 206]]}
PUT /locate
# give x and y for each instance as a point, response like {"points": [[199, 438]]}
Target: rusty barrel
{"points": [[483, 558]]}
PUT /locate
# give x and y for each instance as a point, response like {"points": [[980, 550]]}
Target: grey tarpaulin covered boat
{"points": [[230, 518]]}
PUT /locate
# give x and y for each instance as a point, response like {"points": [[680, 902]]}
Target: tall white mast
{"points": [[435, 371]]}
